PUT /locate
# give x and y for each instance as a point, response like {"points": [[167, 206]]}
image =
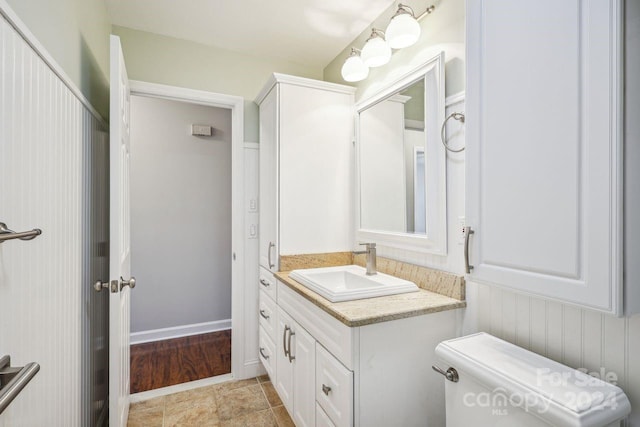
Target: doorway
{"points": [[186, 235]]}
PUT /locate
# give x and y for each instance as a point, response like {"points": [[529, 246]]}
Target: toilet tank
{"points": [[501, 384]]}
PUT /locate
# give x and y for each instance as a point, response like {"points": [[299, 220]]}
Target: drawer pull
{"points": [[266, 356], [326, 389], [265, 283], [264, 316]]}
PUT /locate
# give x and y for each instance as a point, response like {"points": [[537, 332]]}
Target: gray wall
{"points": [[180, 214]]}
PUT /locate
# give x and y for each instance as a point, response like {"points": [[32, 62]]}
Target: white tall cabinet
{"points": [[306, 164], [544, 149], [306, 184]]}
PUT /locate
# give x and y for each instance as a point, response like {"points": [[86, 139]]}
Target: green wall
{"points": [[76, 34], [160, 59], [443, 30]]}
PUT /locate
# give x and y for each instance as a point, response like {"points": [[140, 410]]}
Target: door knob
{"points": [[100, 285], [131, 283]]}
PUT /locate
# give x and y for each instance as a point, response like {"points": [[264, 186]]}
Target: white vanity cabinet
{"points": [[544, 148], [331, 374], [306, 159]]}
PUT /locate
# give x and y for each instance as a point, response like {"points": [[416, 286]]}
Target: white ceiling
{"points": [[310, 32]]}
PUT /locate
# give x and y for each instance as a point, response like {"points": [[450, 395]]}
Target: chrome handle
{"points": [[284, 340], [467, 232], [7, 234], [451, 374], [264, 316], [13, 380], [131, 283], [291, 356], [266, 356], [271, 245], [265, 283], [326, 389]]}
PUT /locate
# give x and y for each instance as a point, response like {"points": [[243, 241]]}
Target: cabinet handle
{"points": [[271, 245], [264, 316], [467, 232], [284, 340], [265, 283], [326, 389], [291, 356], [266, 356]]}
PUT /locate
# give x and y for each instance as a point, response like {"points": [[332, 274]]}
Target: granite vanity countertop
{"points": [[375, 310]]}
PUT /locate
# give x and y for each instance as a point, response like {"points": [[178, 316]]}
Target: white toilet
{"points": [[495, 383]]}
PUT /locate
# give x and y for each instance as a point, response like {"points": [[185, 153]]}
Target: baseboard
{"points": [[164, 391], [179, 331], [253, 368]]}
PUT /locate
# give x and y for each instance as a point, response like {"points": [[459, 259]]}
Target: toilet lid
{"points": [[531, 381]]}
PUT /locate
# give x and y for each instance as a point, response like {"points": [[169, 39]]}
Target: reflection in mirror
{"points": [[401, 181], [392, 159]]}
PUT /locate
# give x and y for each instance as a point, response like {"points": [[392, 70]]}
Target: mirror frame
{"points": [[435, 240]]}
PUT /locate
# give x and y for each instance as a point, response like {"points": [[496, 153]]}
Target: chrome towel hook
{"points": [[455, 116], [7, 234]]}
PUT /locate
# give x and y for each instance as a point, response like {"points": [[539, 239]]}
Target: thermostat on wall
{"points": [[201, 130]]}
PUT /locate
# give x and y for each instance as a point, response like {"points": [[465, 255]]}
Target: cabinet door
{"points": [[269, 181], [543, 148], [284, 366], [304, 367]]}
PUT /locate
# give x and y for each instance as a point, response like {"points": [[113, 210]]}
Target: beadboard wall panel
{"points": [[579, 338], [52, 176]]}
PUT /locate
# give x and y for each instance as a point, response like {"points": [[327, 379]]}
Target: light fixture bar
{"points": [[429, 11]]}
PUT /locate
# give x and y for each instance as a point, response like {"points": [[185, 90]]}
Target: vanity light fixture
{"points": [[354, 69], [404, 30], [376, 52]]}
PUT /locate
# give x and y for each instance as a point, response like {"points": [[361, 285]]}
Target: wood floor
{"points": [[179, 360]]}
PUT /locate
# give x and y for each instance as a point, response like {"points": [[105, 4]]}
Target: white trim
{"points": [[454, 99], [435, 241], [236, 105], [165, 391], [276, 78], [251, 145], [414, 124], [179, 331], [30, 38]]}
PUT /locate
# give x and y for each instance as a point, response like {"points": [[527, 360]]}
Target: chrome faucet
{"points": [[371, 257]]}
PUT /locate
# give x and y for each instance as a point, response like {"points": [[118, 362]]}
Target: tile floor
{"points": [[245, 403]]}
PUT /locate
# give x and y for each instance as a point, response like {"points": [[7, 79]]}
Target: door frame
{"points": [[236, 105]]}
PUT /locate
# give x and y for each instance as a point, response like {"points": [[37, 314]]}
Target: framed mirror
{"points": [[401, 178]]}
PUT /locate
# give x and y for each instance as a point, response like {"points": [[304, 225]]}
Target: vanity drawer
{"points": [[267, 350], [322, 419], [334, 388], [267, 282], [267, 314]]}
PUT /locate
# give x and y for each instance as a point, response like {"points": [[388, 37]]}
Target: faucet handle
{"points": [[368, 245]]}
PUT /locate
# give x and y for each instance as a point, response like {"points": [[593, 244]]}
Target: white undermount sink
{"points": [[350, 282]]}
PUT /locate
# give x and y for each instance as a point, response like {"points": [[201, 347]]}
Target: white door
{"points": [[269, 181], [120, 254]]}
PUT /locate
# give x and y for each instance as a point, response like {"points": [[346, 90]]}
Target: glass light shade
{"points": [[354, 69], [376, 52], [403, 31]]}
